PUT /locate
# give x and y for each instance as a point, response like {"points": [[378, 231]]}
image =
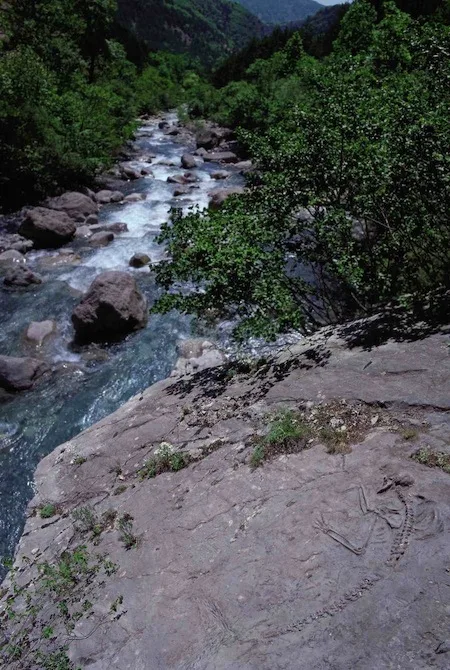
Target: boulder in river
{"points": [[139, 260], [101, 239], [11, 258], [14, 242], [220, 174], [207, 139], [38, 331], [135, 197], [116, 227], [222, 157], [218, 197], [48, 228], [91, 220], [190, 178], [176, 179], [188, 161], [77, 205], [20, 374], [129, 172], [201, 151], [21, 277], [112, 308], [180, 190], [104, 197]]}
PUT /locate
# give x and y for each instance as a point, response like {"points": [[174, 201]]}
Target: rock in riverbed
{"points": [[104, 197], [139, 260], [38, 331], [101, 239], [20, 374], [76, 205], [48, 228], [112, 308], [21, 277], [11, 258], [189, 162]]}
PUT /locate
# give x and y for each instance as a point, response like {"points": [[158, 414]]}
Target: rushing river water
{"points": [[85, 388]]}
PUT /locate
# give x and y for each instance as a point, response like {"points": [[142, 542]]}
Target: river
{"points": [[87, 385]]}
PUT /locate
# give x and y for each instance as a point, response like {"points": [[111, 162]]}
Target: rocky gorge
{"points": [[190, 511], [76, 289]]}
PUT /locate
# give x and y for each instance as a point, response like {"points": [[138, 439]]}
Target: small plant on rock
{"points": [[127, 536], [288, 434], [47, 511], [38, 617], [164, 459], [433, 459]]}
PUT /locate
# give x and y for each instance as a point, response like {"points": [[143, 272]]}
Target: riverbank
{"points": [[292, 514], [83, 384]]}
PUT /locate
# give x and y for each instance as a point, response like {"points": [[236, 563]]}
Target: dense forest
{"points": [[346, 120]]}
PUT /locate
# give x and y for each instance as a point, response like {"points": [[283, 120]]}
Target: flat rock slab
{"points": [[313, 561]]}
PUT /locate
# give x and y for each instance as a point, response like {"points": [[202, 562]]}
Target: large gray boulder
{"points": [[116, 227], [76, 205], [188, 161], [221, 157], [112, 308], [105, 196], [210, 138], [20, 374], [127, 171], [101, 239], [48, 228], [139, 260]]}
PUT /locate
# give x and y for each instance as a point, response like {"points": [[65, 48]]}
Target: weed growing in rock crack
{"points": [[120, 489], [38, 617], [288, 434], [433, 459], [87, 521], [164, 459], [127, 536], [78, 460], [48, 510]]}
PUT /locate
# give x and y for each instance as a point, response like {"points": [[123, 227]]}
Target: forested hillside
{"points": [[282, 11], [69, 95], [206, 29]]}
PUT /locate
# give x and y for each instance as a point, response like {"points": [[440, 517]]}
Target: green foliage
{"points": [[433, 459], [287, 434], [39, 617], [164, 459], [66, 96], [349, 207], [127, 536], [47, 511], [205, 29], [282, 11]]}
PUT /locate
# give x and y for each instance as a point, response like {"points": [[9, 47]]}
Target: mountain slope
{"points": [[281, 11], [206, 29]]}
